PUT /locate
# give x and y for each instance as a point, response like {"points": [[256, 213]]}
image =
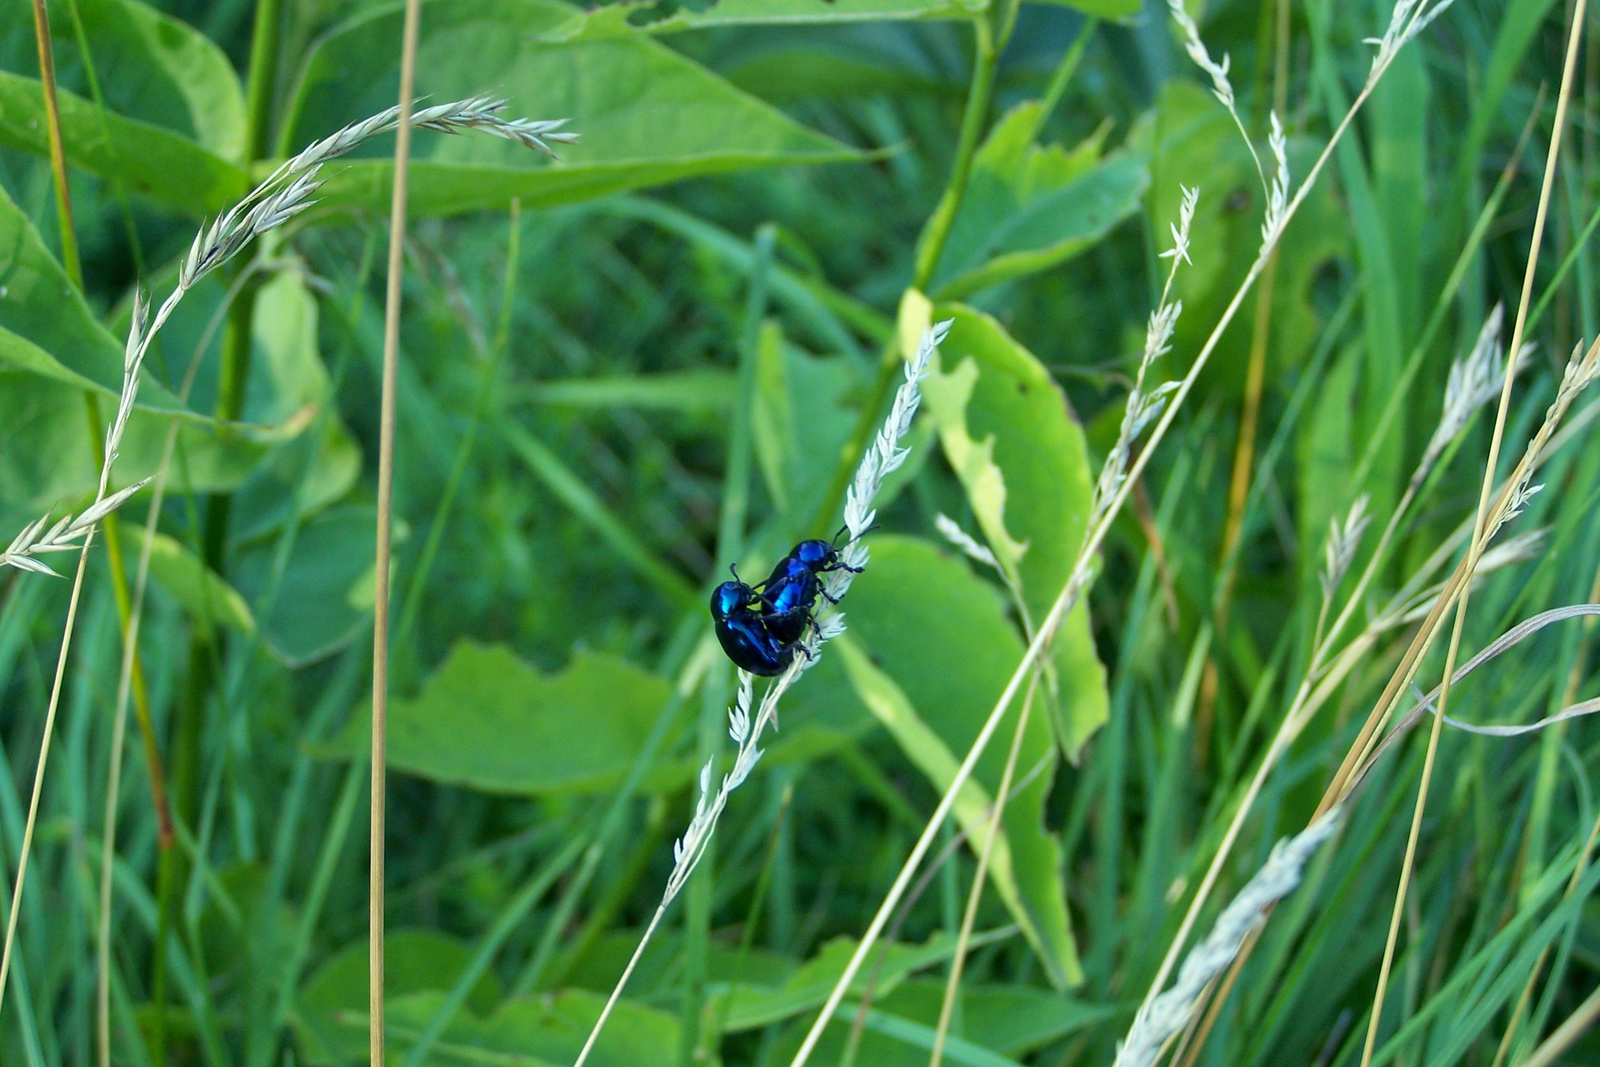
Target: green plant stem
{"points": [[929, 246], [702, 888], [937, 230], [73, 265], [1476, 545], [1447, 294], [58, 159], [1063, 75]]}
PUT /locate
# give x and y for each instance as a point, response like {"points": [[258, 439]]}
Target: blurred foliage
{"points": [[750, 192]]}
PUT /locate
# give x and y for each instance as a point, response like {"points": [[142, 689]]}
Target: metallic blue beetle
{"points": [[743, 633], [790, 592], [761, 627]]}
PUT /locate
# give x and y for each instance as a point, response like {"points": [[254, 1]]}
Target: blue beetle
{"points": [[789, 595], [761, 627], [742, 629]]}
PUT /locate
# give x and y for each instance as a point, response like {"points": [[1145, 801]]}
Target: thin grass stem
{"points": [[1477, 544], [952, 988], [380, 616]]}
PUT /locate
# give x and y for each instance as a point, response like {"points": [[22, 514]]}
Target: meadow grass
{"points": [[1262, 859]]}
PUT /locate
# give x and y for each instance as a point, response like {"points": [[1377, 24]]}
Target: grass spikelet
{"points": [[883, 457], [1170, 1012]]}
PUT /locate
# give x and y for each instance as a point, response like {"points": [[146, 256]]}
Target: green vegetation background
{"points": [[730, 244]]}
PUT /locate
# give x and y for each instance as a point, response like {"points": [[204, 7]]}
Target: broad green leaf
{"points": [[1195, 143], [665, 16], [413, 961], [289, 391], [646, 115], [204, 594], [289, 386], [488, 720], [931, 754], [46, 326], [536, 1031], [147, 159], [53, 351], [1029, 207], [244, 931], [287, 372], [323, 598], [172, 127], [941, 651], [829, 65], [1012, 439], [156, 69]]}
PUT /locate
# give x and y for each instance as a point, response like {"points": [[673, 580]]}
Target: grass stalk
{"points": [[1563, 1037], [1518, 1012], [1476, 546], [380, 615], [84, 525], [73, 266], [969, 915], [746, 721], [1545, 786]]}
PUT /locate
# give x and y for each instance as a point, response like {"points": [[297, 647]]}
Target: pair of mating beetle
{"points": [[761, 626]]}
